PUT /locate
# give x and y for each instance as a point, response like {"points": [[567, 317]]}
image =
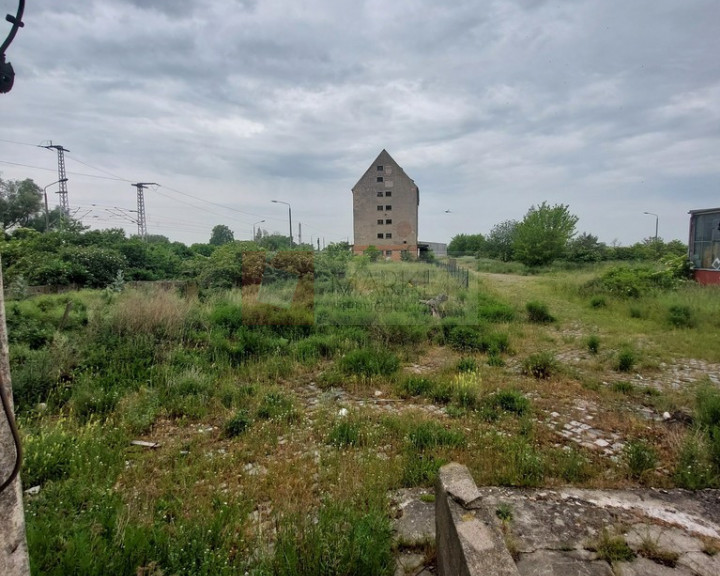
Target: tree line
{"points": [[548, 233]]}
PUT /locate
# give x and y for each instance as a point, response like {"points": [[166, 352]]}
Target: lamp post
{"points": [[289, 217], [46, 202], [656, 224], [260, 222]]}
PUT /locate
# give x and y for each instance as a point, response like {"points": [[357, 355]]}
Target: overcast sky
{"points": [[611, 107]]}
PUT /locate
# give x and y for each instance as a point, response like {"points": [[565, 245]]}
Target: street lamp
{"points": [[46, 202], [260, 222], [656, 224], [289, 217]]}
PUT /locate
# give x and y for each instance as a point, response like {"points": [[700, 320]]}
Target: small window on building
{"points": [[388, 207], [379, 208], [388, 252], [380, 168], [388, 193], [380, 221], [389, 221], [388, 235], [379, 178], [380, 193], [380, 235]]}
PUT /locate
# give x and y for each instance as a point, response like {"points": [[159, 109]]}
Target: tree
{"points": [[466, 244], [221, 234], [499, 243], [586, 248], [543, 234], [19, 202]]}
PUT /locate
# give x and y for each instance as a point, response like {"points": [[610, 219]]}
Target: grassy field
{"points": [[282, 422]]}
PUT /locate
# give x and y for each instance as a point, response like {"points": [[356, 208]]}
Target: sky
{"points": [[610, 107]]}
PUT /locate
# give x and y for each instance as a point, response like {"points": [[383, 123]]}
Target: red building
{"points": [[704, 245]]}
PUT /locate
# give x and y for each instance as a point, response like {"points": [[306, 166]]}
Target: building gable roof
{"points": [[383, 159]]}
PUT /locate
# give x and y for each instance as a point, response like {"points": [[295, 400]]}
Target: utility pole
{"points": [[14, 559], [142, 224], [299, 232], [62, 179]]}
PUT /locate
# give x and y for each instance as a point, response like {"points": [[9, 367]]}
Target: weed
{"points": [[429, 498], [649, 549], [467, 364], [623, 387], [538, 313], [346, 432], [625, 360], [276, 406], [415, 386], [504, 512], [366, 362], [238, 424], [636, 312], [572, 466], [640, 458], [593, 344], [541, 365], [496, 360], [441, 392], [420, 469], [466, 387], [431, 434], [511, 401], [611, 548], [466, 339]]}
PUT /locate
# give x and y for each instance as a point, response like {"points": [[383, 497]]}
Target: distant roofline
{"points": [[704, 211]]}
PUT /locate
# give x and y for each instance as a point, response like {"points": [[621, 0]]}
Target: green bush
{"points": [[466, 339], [420, 469], [511, 401], [367, 362], [593, 344], [541, 365], [625, 360], [598, 302], [236, 425], [694, 470], [623, 387], [538, 313], [681, 317]]}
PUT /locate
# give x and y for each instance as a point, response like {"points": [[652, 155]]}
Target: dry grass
{"points": [[158, 312]]}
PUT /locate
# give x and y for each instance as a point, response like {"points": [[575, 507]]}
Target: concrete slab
{"points": [[701, 563], [458, 483], [408, 563], [553, 563], [645, 567], [416, 525], [664, 537]]}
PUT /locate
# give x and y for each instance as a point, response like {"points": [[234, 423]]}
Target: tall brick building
{"points": [[385, 209]]}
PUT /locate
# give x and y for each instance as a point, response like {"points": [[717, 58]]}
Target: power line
{"points": [[53, 170]]}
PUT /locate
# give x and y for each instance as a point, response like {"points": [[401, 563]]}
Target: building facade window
{"points": [[380, 168], [388, 235], [388, 221], [380, 235], [388, 252], [379, 208], [379, 194], [380, 221], [388, 193], [388, 207], [379, 178]]}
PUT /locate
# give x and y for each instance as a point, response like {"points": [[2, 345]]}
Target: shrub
{"points": [[511, 401], [681, 317], [420, 469], [541, 365], [598, 302], [693, 470], [593, 344], [640, 458], [495, 311], [636, 312], [612, 548], [625, 360], [465, 389], [368, 362], [236, 425], [538, 313], [494, 359], [466, 339]]}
